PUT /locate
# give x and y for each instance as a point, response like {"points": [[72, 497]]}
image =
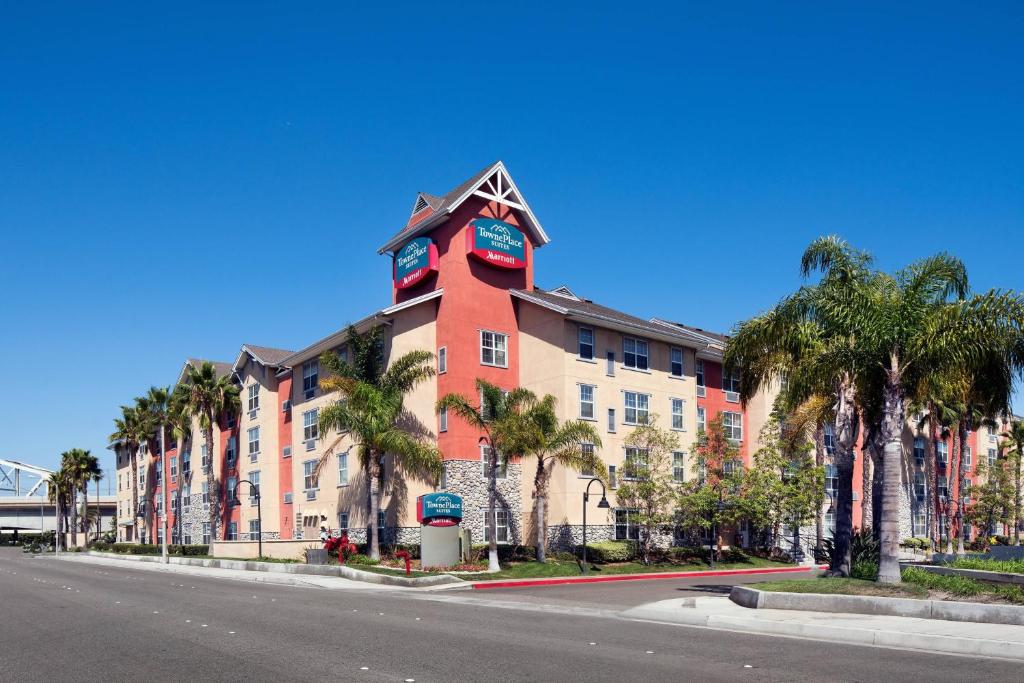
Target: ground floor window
{"points": [[500, 525], [626, 528], [187, 538], [206, 533], [343, 522], [254, 529], [830, 523], [232, 531], [920, 521]]}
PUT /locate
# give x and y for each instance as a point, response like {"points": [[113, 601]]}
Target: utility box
{"points": [[439, 515]]}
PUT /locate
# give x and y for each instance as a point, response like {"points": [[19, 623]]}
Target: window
{"points": [[206, 493], [702, 419], [158, 471], [174, 469], [830, 523], [206, 533], [677, 413], [992, 457], [442, 420], [381, 520], [493, 349], [635, 463], [919, 450], [942, 488], [500, 525], [731, 380], [634, 353], [310, 480], [611, 420], [678, 467], [919, 490], [626, 528], [830, 439], [231, 450], [920, 521], [698, 371], [733, 425], [613, 480], [160, 507], [442, 360], [585, 343], [609, 365], [588, 454], [254, 440], [160, 535], [254, 477], [831, 481], [968, 458], [310, 378], [232, 491], [310, 426], [204, 456], [343, 522], [675, 361], [186, 496], [587, 401], [254, 529], [232, 531], [942, 452], [343, 469], [254, 397], [636, 407], [485, 460], [142, 479]]}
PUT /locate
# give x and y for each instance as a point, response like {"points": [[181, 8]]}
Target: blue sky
{"points": [[152, 158]]}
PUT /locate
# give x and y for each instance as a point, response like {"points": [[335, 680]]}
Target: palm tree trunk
{"points": [[492, 504], [867, 483], [845, 438], [540, 494], [819, 461], [74, 513], [135, 491], [1016, 496], [892, 461], [950, 498], [374, 486], [211, 480], [85, 511], [960, 480], [930, 476]]}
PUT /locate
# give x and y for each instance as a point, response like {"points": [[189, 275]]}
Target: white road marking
{"points": [[364, 668]]}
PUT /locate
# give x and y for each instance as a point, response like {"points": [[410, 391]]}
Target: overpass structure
{"points": [[24, 499]]}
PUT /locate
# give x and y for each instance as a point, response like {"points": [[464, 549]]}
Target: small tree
{"points": [[714, 498], [784, 486], [992, 502], [648, 490]]}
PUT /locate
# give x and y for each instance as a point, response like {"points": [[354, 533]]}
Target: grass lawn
{"points": [[1005, 566], [376, 569], [560, 568], [917, 583]]}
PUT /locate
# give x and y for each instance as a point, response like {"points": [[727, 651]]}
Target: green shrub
{"points": [[610, 551], [362, 559], [192, 550], [687, 553], [864, 569], [506, 553]]}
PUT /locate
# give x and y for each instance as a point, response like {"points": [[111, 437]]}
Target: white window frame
{"points": [[942, 485], [919, 487], [581, 332], [343, 469], [343, 521], [501, 530], [253, 397], [254, 478], [310, 480], [698, 374], [254, 444], [498, 352], [311, 425], [591, 403], [254, 536], [310, 378], [586, 447], [919, 449], [679, 424], [206, 533], [174, 469], [733, 429], [609, 364], [623, 518], [230, 490], [942, 452], [633, 453], [442, 360], [968, 458], [232, 534], [679, 466], [611, 421], [485, 460], [442, 420], [637, 344], [702, 418], [672, 351], [636, 408], [731, 381]]}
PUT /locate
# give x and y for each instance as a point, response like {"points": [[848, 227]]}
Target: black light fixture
{"points": [[602, 504]]}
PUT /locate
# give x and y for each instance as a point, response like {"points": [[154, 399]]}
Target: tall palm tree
{"points": [[810, 417], [131, 430], [370, 411], [158, 403], [79, 466], [180, 421], [97, 477], [535, 432], [487, 414], [208, 397], [817, 353], [1014, 439], [58, 491]]}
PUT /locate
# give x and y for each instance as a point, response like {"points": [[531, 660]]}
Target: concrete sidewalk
{"points": [[927, 635], [307, 580]]}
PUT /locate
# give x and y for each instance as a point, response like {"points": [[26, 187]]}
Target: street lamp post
{"points": [[603, 504], [254, 492]]}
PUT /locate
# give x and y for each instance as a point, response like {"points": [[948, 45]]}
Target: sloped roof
{"points": [[264, 354], [443, 206], [575, 306], [221, 368]]}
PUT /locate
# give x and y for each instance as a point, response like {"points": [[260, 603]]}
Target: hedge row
{"points": [[151, 549]]}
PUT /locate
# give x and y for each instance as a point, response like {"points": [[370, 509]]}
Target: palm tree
{"points": [[80, 466], [817, 353], [180, 421], [535, 432], [907, 325], [158, 403], [58, 490], [371, 412], [131, 430], [487, 415], [208, 397], [97, 477], [1014, 437], [811, 416]]}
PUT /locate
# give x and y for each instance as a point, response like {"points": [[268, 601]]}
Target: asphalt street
{"points": [[71, 621]]}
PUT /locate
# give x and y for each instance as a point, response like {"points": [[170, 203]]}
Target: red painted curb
{"points": [[516, 583]]}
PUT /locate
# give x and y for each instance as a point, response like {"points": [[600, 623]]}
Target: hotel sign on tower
{"points": [[496, 243]]}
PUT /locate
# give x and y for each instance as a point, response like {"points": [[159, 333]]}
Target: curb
{"points": [[289, 570], [557, 581], [946, 610], [684, 615], [978, 574]]}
